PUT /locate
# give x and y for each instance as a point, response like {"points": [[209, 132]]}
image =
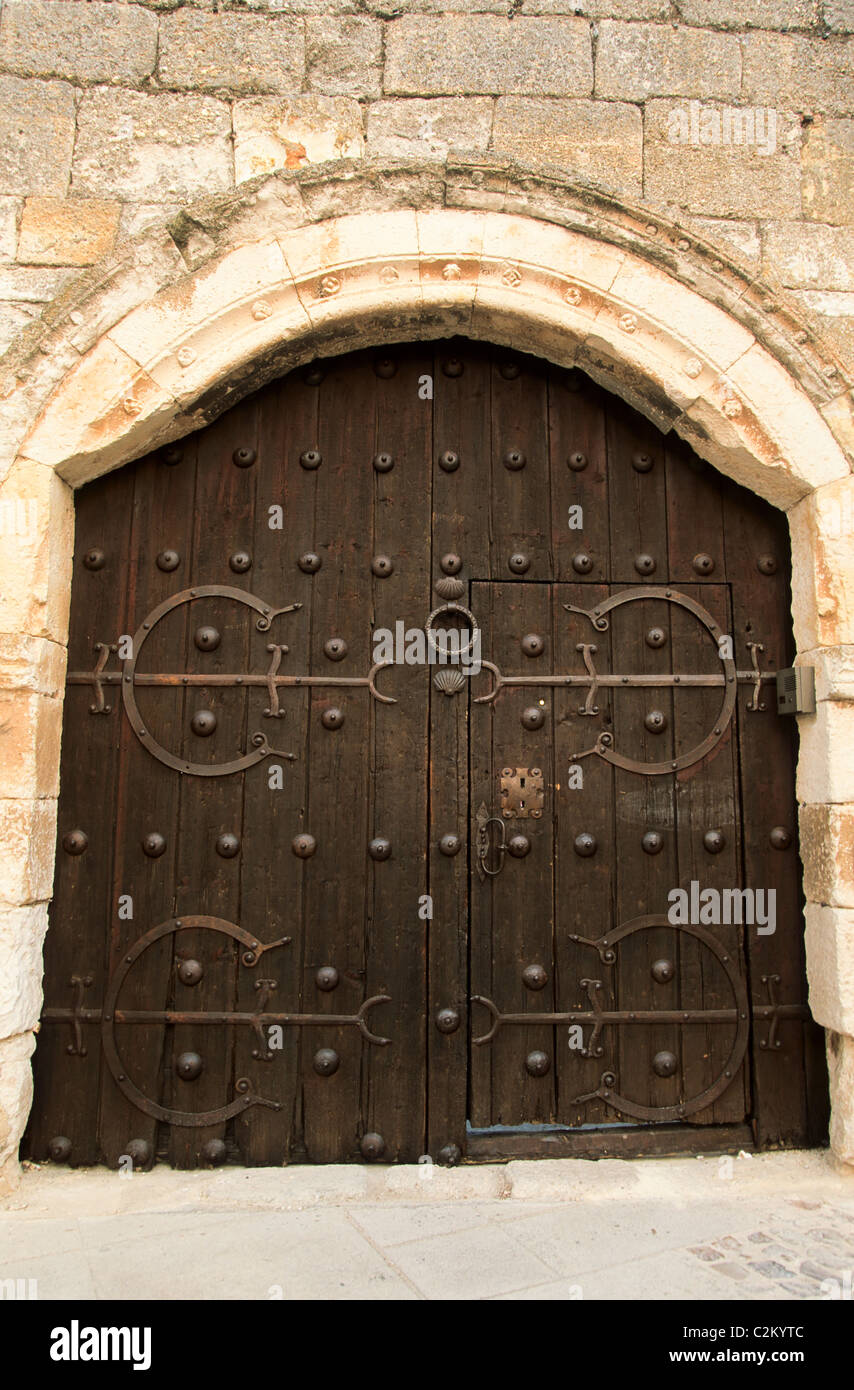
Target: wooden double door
{"points": [[323, 896]]}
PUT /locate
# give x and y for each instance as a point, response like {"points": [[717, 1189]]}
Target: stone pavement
{"points": [[771, 1226]]}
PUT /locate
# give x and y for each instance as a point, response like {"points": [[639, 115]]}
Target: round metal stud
{"points": [[655, 722], [662, 971], [94, 559], [582, 563], [585, 845], [332, 718], [766, 564], [172, 455], [327, 978], [514, 460], [452, 366], [642, 463], [518, 563], [577, 462], [656, 637], [240, 561], [450, 564], [533, 644], [243, 458], [335, 649], [379, 848], [703, 564], [153, 845], [326, 1060], [537, 1063], [213, 1153], [203, 723], [303, 846], [310, 562], [207, 639], [168, 560], [518, 846], [644, 564], [75, 842], [535, 977], [383, 463], [449, 1156], [310, 459], [447, 1020], [188, 1066], [780, 837], [509, 370], [190, 972], [313, 375], [140, 1152], [450, 845], [652, 842], [664, 1064], [382, 566], [449, 462], [227, 845], [385, 368], [59, 1149], [714, 841], [533, 717], [372, 1147]]}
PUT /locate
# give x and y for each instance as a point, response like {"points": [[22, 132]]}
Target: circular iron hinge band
{"points": [[182, 1118]]}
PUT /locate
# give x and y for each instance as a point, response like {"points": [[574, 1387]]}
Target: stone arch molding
{"points": [[193, 315]]}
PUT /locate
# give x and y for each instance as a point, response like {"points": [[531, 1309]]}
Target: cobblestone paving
{"points": [[807, 1253]]}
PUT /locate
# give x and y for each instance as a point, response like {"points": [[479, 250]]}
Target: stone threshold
{"points": [[47, 1192]]}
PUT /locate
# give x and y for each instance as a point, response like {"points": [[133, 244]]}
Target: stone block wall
{"points": [[113, 114]]}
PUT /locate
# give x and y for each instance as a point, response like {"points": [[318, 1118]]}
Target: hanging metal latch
{"points": [[483, 840], [517, 846]]}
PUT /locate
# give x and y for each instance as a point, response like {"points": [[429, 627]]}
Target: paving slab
{"points": [[765, 1227]]}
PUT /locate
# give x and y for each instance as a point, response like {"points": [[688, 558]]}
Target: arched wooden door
{"points": [[314, 906]]}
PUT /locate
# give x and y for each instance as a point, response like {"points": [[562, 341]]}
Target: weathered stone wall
{"points": [[112, 114]]}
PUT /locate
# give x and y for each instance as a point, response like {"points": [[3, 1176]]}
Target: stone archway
{"points": [[192, 316]]}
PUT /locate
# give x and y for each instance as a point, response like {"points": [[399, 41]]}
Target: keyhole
{"points": [[521, 805], [521, 781]]}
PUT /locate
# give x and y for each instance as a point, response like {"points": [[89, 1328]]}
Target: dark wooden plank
{"points": [[707, 802], [275, 790], [583, 886], [577, 458], [207, 882], [83, 910], [643, 803], [766, 741], [521, 920], [520, 500], [339, 811], [147, 793], [397, 949], [460, 526]]}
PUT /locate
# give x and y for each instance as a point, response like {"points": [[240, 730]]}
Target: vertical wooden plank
{"points": [[460, 527], [583, 885], [521, 926], [272, 882], [643, 804], [520, 500], [147, 793], [67, 1085], [339, 809], [707, 805], [397, 946], [207, 881], [581, 542], [787, 1113]]}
